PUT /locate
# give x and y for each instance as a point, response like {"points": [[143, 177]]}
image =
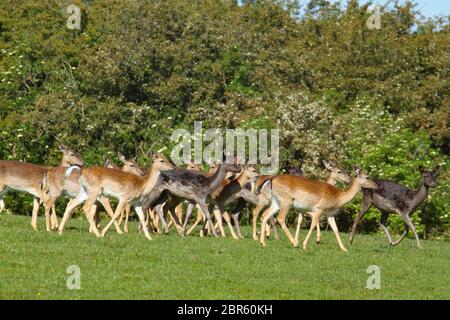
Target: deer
{"points": [[194, 187], [314, 195], [335, 174], [56, 183], [392, 197], [262, 200], [200, 215], [231, 191], [255, 194], [27, 177], [124, 186], [130, 166]]}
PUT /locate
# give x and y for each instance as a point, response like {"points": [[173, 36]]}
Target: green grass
{"points": [[34, 266]]}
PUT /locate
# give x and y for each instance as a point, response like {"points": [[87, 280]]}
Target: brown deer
{"points": [[317, 196], [27, 177], [130, 166], [230, 192], [124, 186], [335, 174]]}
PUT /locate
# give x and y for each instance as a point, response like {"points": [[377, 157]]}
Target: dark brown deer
{"points": [[393, 197], [194, 187]]}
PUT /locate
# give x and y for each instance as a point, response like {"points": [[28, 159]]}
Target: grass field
{"points": [[34, 266]]}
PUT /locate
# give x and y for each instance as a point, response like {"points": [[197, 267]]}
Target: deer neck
{"points": [[150, 181], [64, 164], [420, 195], [330, 180], [216, 179], [242, 180], [348, 194]]}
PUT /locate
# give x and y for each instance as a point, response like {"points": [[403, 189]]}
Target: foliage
{"points": [[138, 69]]}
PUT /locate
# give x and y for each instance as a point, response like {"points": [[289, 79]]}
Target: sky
{"points": [[428, 8]]}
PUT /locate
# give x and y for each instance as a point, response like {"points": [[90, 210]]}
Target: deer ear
{"points": [[357, 170], [327, 165], [62, 147], [121, 157], [421, 169]]}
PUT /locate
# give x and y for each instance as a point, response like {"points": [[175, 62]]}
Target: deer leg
{"points": [[270, 212], [413, 228], [170, 206], [188, 215], [107, 206], [299, 224], [200, 217], [235, 217], [159, 211], [255, 214], [95, 217], [127, 216], [140, 214], [2, 202], [218, 215], [318, 230], [179, 211], [54, 218], [34, 214], [88, 208], [383, 222], [205, 210], [73, 203], [334, 227], [282, 221], [314, 222], [273, 225], [366, 203], [119, 208], [226, 216], [47, 207], [402, 236]]}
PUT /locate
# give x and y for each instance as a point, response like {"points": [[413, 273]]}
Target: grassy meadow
{"points": [[34, 266]]}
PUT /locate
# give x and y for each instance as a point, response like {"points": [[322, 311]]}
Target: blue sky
{"points": [[428, 8]]}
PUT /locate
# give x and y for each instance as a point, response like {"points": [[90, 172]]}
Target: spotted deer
{"points": [[317, 196], [124, 186], [27, 177]]}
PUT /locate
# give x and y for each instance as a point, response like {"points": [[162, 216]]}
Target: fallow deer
{"points": [[130, 166], [230, 192], [317, 196], [335, 174], [195, 187], [27, 177], [393, 197], [124, 186]]}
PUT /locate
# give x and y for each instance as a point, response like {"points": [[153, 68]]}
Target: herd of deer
{"points": [[164, 188]]}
